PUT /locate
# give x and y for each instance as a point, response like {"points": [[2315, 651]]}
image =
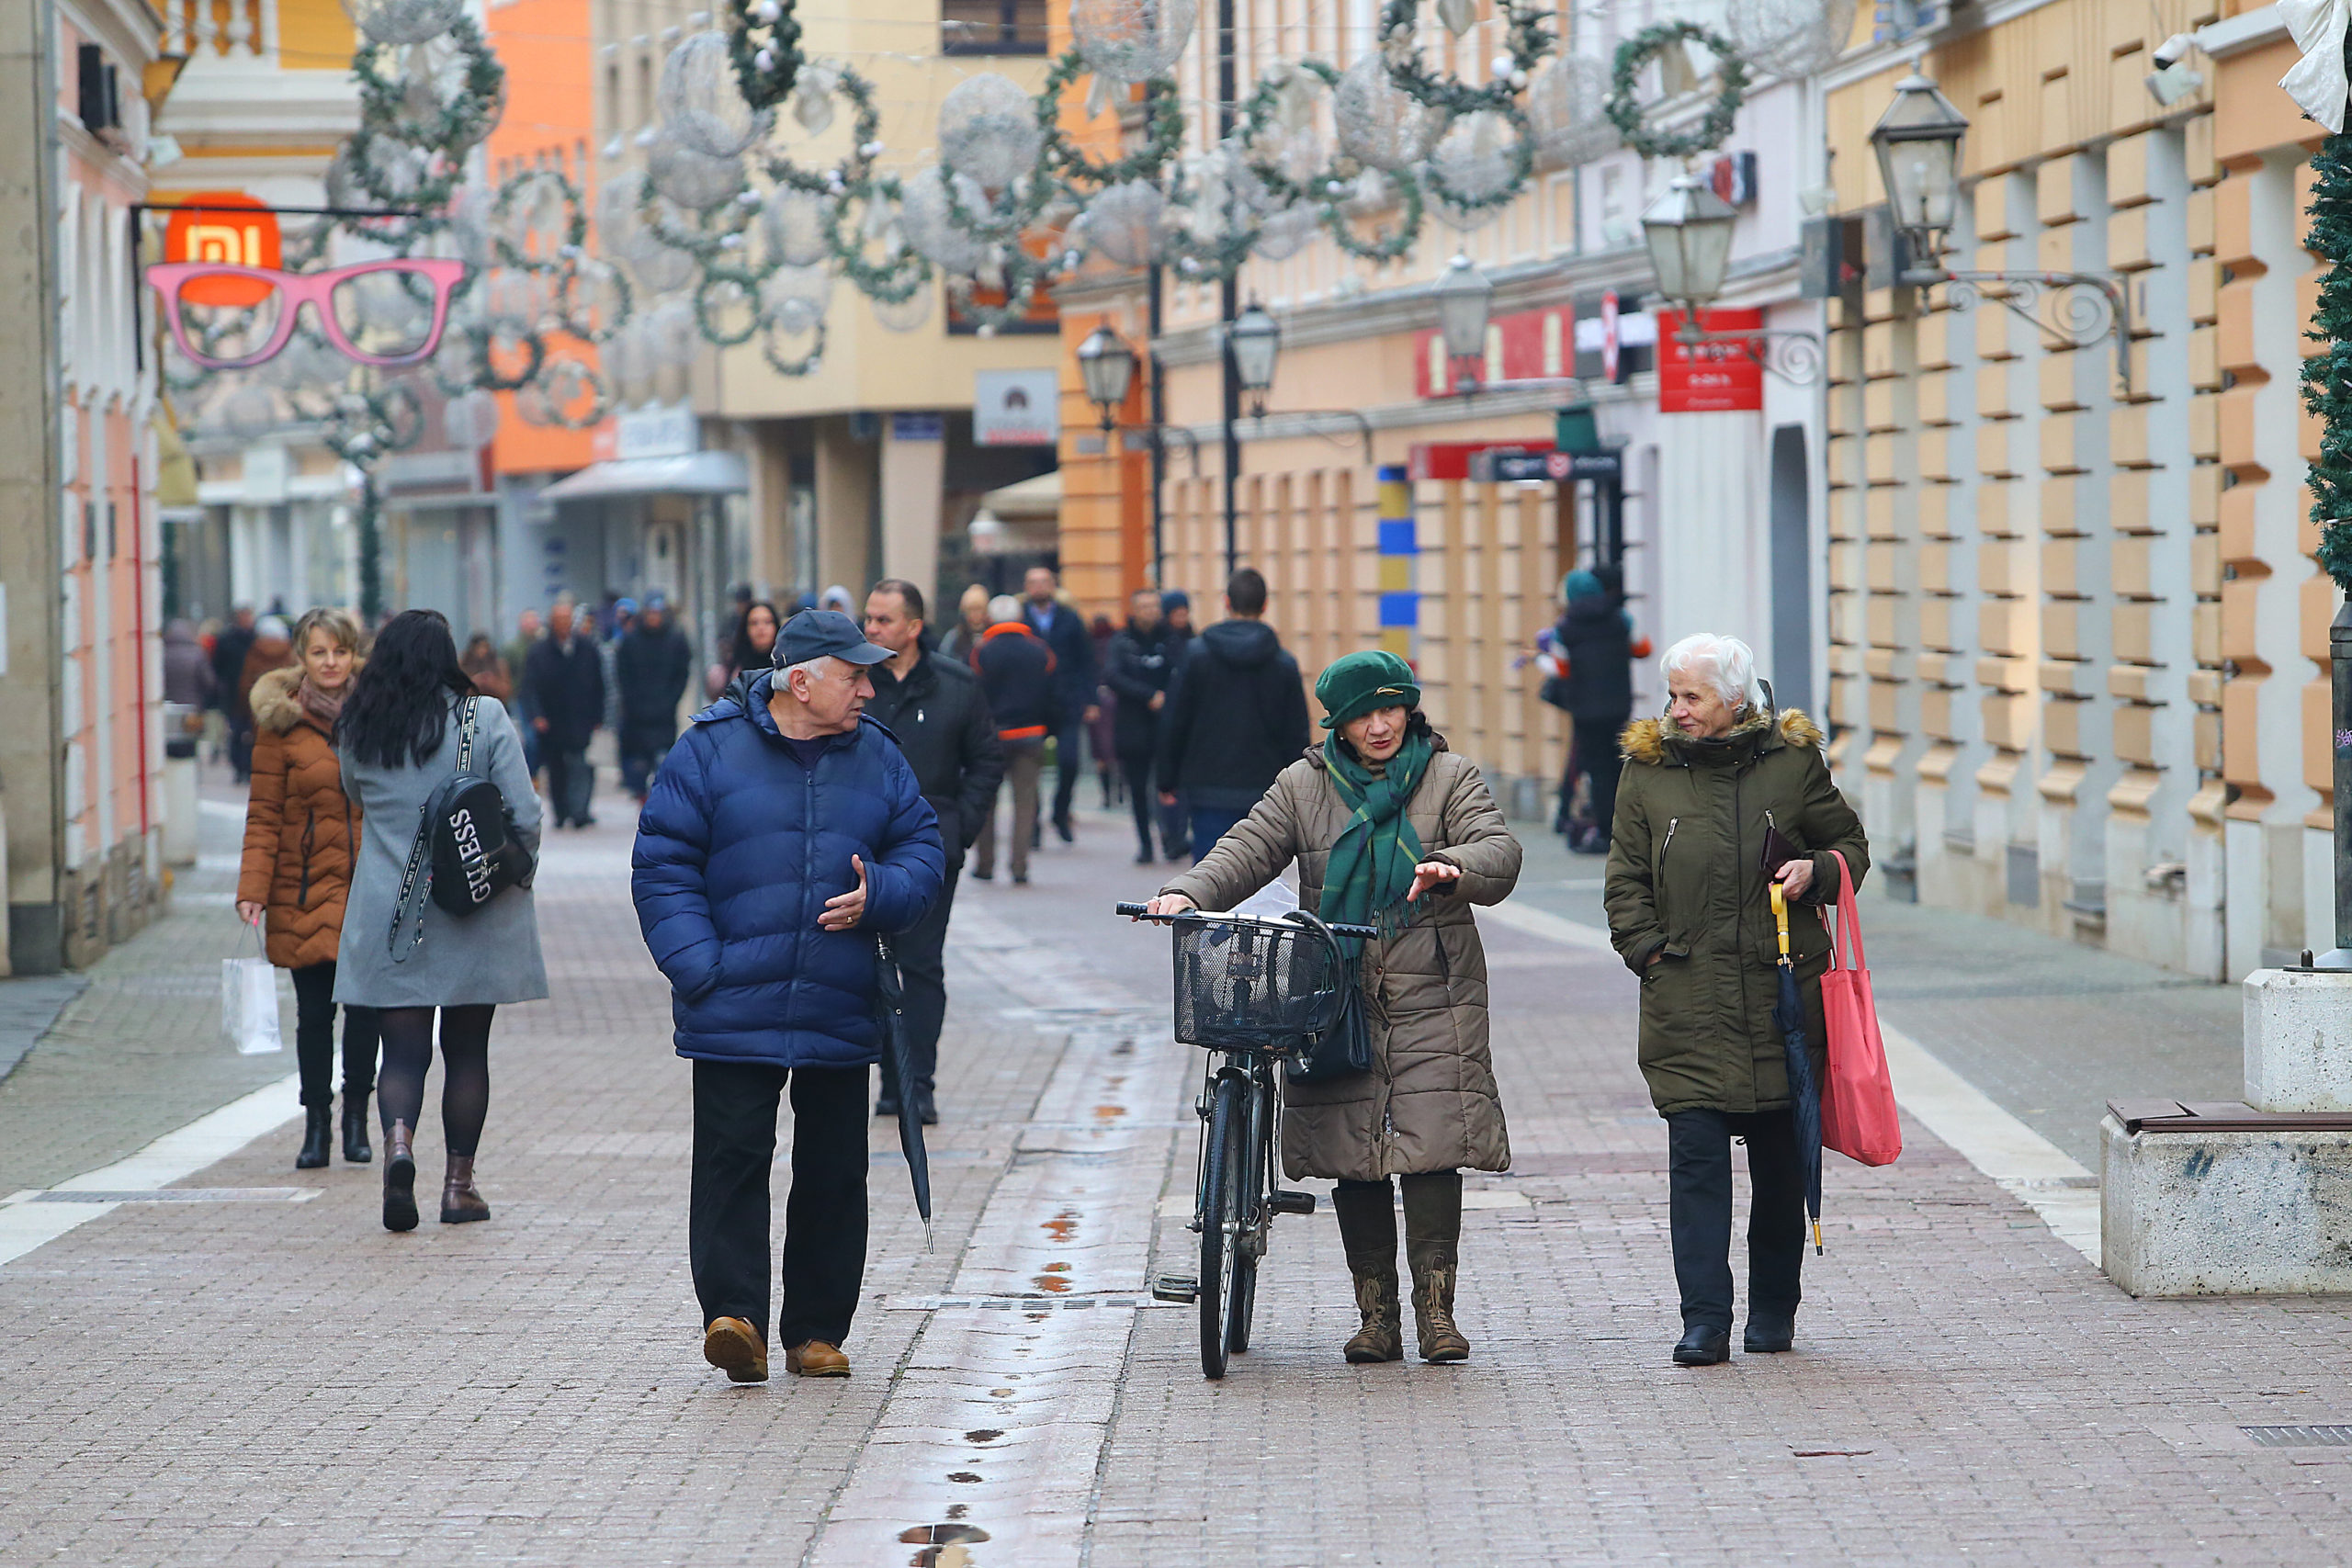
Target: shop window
{"points": [[992, 26]]}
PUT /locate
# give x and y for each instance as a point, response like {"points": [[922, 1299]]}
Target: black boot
{"points": [[1368, 1234], [355, 1130], [315, 1138], [1433, 1240]]}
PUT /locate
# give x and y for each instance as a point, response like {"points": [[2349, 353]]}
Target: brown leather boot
{"points": [[1382, 1337], [400, 1177], [1433, 1275], [460, 1204], [815, 1359]]}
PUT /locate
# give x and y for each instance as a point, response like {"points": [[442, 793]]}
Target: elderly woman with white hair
{"points": [[1721, 797]]}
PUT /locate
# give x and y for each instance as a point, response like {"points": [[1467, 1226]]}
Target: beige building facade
{"points": [[2079, 644]]}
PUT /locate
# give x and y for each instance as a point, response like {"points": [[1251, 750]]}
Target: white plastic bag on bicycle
{"points": [[249, 1003]]}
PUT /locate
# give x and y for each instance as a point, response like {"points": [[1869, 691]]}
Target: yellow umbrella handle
{"points": [[1780, 919]]}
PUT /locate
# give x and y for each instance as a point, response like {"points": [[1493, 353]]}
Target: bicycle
{"points": [[1254, 993]]}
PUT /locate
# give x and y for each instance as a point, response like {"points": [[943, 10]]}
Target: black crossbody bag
{"points": [[465, 851]]}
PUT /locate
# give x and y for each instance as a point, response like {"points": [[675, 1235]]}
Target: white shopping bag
{"points": [[249, 1004]]}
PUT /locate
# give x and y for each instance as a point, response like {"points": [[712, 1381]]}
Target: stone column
{"points": [[915, 466]]}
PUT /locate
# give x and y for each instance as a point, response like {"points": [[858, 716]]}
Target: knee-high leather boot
{"points": [[1433, 1240], [1368, 1233]]}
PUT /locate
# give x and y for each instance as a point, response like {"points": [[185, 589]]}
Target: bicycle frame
{"points": [[1257, 1070]]}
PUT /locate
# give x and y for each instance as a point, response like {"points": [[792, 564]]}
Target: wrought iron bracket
{"points": [[2085, 307]]}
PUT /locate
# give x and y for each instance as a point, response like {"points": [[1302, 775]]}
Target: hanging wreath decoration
{"points": [[764, 44], [1527, 43], [1731, 74]]}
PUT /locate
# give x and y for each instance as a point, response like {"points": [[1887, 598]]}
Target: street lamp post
{"points": [[1254, 341], [1107, 368], [1465, 300], [1689, 232]]}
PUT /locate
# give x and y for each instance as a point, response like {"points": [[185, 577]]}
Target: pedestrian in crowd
{"points": [[776, 805], [838, 600], [1102, 731], [971, 625], [230, 643], [517, 654], [1016, 670], [398, 740], [1720, 799], [1236, 715], [1382, 819], [1176, 605], [301, 838], [748, 647], [1593, 653], [564, 682], [654, 667], [271, 648], [1137, 668], [1063, 631], [491, 675], [620, 619], [187, 686], [935, 709]]}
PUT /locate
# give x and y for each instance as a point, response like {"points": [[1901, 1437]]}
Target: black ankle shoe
{"points": [[316, 1138], [886, 1105], [1769, 1336], [355, 1130], [1702, 1345]]}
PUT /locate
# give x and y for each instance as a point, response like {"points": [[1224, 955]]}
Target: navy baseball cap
{"points": [[818, 634]]}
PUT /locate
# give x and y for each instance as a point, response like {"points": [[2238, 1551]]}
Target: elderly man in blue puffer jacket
{"points": [[785, 829]]}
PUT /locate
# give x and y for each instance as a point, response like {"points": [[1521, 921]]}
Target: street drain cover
{"points": [[2331, 1436]]}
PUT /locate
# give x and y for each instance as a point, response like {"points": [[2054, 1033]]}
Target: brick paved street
{"points": [[269, 1382]]}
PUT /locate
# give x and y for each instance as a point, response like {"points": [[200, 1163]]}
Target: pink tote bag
{"points": [[1858, 1116]]}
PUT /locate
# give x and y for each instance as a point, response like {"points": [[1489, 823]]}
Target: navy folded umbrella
{"points": [[891, 1016], [1805, 1094]]}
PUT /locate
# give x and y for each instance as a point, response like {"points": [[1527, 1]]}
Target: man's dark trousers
{"points": [[1699, 1208], [572, 783], [1597, 753], [1069, 741], [921, 951], [824, 1218], [1145, 799]]}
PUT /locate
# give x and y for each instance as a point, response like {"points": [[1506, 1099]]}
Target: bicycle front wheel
{"points": [[1221, 1220]]}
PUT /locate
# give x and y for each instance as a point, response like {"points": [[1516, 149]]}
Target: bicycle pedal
{"points": [[1182, 1289], [1283, 1202]]}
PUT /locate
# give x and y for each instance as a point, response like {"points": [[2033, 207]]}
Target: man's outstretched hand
{"points": [[846, 910]]}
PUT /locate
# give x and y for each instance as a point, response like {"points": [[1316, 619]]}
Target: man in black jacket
{"points": [[935, 708], [1236, 717], [565, 678], [1063, 631], [1016, 672], [651, 668], [1141, 661]]}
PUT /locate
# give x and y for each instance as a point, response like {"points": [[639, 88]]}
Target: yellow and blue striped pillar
{"points": [[1400, 549]]}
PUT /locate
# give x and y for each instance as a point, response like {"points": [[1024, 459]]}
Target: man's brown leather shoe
{"points": [[737, 1348], [816, 1359]]}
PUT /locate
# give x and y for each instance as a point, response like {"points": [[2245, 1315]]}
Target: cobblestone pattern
{"points": [[263, 1383]]}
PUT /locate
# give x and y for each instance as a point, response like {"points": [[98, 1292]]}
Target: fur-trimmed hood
{"points": [[275, 706], [1651, 740]]}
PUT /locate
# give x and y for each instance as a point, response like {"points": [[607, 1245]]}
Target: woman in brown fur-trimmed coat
{"points": [[300, 835], [1704, 792]]}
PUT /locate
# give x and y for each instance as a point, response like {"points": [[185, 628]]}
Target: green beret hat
{"points": [[1363, 681]]}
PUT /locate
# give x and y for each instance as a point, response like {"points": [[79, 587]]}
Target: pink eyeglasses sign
{"points": [[322, 292]]}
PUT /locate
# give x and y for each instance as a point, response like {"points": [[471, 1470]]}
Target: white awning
{"points": [[695, 473]]}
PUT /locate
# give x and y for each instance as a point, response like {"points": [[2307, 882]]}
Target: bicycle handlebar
{"points": [[1143, 912]]}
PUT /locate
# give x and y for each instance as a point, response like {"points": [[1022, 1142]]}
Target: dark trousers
{"points": [[1597, 754], [571, 781], [824, 1217], [1699, 1204], [642, 749], [1211, 823], [922, 970], [1069, 741], [314, 1039], [1145, 801]]}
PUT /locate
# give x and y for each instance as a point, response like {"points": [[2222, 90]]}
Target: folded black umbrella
{"points": [[891, 1016], [1805, 1094]]}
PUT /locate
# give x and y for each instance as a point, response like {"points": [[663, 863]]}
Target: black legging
{"points": [[464, 1075], [314, 1039]]}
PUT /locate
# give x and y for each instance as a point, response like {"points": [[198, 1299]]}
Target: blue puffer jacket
{"points": [[739, 847]]}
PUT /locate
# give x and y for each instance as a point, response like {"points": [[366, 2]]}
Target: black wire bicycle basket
{"points": [[1257, 985]]}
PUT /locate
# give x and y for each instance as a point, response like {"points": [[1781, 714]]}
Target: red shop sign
{"points": [[1720, 376]]}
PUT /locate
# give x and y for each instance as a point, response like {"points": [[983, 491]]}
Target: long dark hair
{"points": [[399, 709], [741, 652]]}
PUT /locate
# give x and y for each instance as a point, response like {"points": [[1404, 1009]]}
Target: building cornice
{"points": [[1478, 408]]}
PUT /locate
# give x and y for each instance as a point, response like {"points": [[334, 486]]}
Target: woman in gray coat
{"points": [[398, 740]]}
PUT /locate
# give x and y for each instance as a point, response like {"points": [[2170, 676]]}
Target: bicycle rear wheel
{"points": [[1221, 1220]]}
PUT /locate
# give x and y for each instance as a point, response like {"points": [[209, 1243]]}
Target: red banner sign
{"points": [[1719, 376]]}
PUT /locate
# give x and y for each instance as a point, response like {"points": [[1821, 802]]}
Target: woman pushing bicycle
{"points": [[1383, 822]]}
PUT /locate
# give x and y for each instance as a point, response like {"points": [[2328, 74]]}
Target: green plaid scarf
{"points": [[1371, 868]]}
